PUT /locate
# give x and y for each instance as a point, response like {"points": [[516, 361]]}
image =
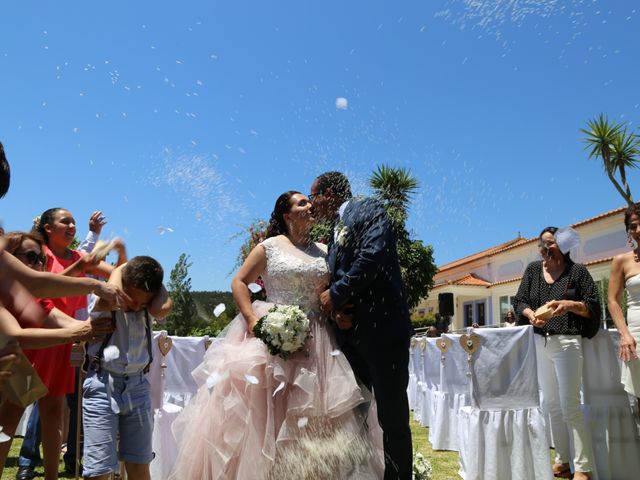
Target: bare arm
{"points": [[88, 264], [161, 305], [51, 285], [251, 269], [614, 297], [118, 246], [47, 337]]}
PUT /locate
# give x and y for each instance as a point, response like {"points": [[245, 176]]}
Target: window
{"points": [[505, 306], [468, 314]]}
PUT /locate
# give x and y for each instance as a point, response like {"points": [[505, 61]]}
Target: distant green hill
{"points": [[207, 301]]}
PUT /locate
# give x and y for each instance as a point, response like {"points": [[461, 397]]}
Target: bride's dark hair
{"points": [[277, 225]]}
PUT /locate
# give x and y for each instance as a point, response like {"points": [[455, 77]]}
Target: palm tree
{"points": [[395, 187], [618, 149]]}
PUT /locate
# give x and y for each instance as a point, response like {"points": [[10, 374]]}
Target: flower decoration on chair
{"points": [[470, 344]]}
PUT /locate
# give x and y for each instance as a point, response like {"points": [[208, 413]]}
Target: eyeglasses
{"points": [[311, 196], [32, 257]]}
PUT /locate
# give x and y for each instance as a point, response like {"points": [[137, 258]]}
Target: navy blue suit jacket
{"points": [[365, 272]]}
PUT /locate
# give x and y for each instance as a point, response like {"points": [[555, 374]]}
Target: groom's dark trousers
{"points": [[365, 273]]}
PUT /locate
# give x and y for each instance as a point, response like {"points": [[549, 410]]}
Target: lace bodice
{"points": [[294, 276]]}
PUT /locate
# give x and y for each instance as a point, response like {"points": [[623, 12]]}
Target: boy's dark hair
{"points": [[337, 182], [144, 273]]}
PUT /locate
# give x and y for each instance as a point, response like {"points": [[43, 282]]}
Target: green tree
{"points": [[618, 149], [181, 320], [395, 187]]}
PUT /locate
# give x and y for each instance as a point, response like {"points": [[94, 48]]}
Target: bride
{"points": [[258, 416]]}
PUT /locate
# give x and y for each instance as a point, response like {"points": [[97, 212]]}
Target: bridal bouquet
{"points": [[283, 329]]}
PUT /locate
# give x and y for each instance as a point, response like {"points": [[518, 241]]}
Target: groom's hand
{"points": [[326, 305], [343, 320]]}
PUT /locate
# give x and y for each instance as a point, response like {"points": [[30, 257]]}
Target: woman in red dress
{"points": [[58, 228]]}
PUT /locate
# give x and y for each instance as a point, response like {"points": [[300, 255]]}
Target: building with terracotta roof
{"points": [[481, 286]]}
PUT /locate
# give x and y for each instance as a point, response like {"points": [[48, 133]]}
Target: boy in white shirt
{"points": [[116, 394]]}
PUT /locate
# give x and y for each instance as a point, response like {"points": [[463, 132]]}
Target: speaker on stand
{"points": [[445, 309]]}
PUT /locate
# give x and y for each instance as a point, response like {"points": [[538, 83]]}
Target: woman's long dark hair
{"points": [[5, 173], [46, 218], [631, 210], [277, 225], [552, 231]]}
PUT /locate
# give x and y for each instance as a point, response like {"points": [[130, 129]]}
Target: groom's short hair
{"points": [[337, 182]]}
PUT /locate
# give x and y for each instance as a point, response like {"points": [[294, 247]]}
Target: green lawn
{"points": [[445, 464], [12, 464]]}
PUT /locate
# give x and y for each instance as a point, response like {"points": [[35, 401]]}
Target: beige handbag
{"points": [[23, 387]]}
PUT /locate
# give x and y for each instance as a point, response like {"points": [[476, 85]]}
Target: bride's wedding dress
{"points": [[257, 416]]}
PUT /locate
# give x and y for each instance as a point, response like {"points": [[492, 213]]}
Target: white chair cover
{"points": [[450, 398], [431, 367], [171, 390], [608, 411], [418, 406], [502, 433], [412, 388]]}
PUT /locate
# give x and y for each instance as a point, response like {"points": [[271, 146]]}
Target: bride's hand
{"points": [[251, 322]]}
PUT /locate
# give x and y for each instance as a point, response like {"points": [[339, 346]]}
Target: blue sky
{"points": [[195, 115]]}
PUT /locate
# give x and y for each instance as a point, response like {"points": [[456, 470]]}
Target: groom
{"points": [[367, 301]]}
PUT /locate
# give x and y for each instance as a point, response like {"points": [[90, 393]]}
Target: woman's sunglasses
{"points": [[32, 257]]}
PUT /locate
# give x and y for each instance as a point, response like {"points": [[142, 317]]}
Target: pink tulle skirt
{"points": [[258, 416]]}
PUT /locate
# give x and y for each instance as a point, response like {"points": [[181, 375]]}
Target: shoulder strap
{"points": [[149, 338], [96, 360]]}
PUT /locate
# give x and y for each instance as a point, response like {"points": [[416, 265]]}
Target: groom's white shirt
{"points": [[341, 210]]}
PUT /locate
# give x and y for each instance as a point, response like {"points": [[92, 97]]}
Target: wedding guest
{"points": [[432, 331], [509, 319], [570, 293], [119, 378], [625, 273], [58, 228], [29, 457], [59, 329]]}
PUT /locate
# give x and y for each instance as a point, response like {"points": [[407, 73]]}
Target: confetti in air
{"points": [[302, 422], [335, 353], [200, 186], [3, 436], [342, 103], [219, 309], [251, 379], [162, 230], [111, 353], [215, 378], [280, 387], [254, 287]]}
